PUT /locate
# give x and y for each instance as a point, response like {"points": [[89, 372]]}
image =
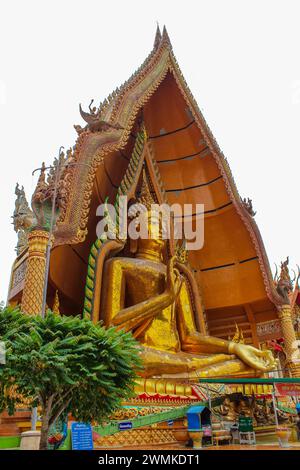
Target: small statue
{"points": [[227, 410], [259, 415], [244, 408]]}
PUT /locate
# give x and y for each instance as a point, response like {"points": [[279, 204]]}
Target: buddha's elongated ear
{"points": [[172, 241], [133, 245]]}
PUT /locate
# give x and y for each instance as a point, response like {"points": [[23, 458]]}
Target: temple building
{"points": [[149, 141]]}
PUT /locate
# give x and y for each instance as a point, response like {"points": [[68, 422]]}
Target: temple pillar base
{"points": [[30, 440]]}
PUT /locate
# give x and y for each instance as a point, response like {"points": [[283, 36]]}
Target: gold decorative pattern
{"points": [[268, 328], [35, 273], [136, 438], [290, 340], [55, 308], [92, 147], [127, 187]]}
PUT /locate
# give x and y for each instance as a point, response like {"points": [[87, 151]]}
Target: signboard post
{"points": [[82, 436]]}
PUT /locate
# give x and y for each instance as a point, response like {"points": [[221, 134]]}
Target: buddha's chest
{"points": [[143, 282]]}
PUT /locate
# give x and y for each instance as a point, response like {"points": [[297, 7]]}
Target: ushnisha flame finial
{"points": [[145, 197]]}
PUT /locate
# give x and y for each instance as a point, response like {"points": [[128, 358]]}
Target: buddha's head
{"points": [[149, 223], [152, 246]]}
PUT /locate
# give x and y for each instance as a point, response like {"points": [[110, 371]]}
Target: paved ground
{"points": [[266, 446]]}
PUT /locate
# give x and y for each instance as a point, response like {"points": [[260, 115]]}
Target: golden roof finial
{"points": [[284, 270], [55, 308], [41, 186]]}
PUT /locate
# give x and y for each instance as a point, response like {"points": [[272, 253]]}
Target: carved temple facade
{"points": [[184, 165]]}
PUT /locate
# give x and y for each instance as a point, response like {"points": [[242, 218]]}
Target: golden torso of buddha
{"points": [[143, 282], [152, 299]]}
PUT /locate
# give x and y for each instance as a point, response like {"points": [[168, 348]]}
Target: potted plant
{"points": [[196, 436], [283, 434]]}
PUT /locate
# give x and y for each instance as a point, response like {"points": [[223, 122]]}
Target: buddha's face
{"points": [[154, 245]]}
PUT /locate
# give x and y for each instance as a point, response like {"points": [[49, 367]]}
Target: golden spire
{"points": [[157, 38], [55, 308]]}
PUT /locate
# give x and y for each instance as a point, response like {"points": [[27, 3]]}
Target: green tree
{"points": [[66, 363]]}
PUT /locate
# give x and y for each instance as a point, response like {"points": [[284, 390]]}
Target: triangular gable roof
{"points": [[117, 115]]}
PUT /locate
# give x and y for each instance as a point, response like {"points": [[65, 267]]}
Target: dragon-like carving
{"points": [[283, 282], [94, 121], [23, 218]]}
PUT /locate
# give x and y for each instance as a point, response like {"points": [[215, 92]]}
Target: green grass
{"points": [[9, 442]]}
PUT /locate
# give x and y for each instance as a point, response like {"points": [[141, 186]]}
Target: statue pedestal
{"points": [[30, 440]]}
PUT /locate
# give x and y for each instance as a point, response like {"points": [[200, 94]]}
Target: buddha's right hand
{"points": [[174, 280], [255, 358]]}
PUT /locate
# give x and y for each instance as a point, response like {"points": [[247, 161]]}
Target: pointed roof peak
{"points": [[165, 36], [157, 39]]}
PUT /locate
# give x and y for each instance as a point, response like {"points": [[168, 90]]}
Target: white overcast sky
{"points": [[240, 58]]}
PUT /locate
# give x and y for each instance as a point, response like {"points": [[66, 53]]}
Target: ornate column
{"points": [[290, 340], [35, 273]]}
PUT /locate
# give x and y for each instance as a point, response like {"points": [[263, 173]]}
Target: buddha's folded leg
{"points": [[230, 367], [168, 364]]}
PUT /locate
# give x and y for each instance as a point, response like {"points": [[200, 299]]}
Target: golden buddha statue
{"points": [[149, 297], [227, 410]]}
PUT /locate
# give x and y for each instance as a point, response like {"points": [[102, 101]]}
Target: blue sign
{"points": [[82, 436], [170, 422], [125, 425]]}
